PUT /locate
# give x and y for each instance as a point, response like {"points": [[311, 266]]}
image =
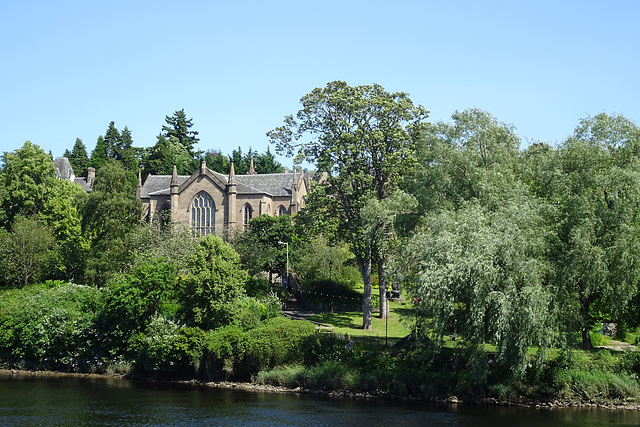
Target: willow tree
{"points": [[362, 137], [594, 184]]}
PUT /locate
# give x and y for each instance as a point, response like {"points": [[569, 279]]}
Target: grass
{"points": [[350, 323]]}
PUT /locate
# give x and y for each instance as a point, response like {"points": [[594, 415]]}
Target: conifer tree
{"points": [[78, 158]]}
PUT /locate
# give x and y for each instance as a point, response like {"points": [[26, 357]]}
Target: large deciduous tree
{"points": [[362, 137], [26, 252], [593, 182], [110, 214]]}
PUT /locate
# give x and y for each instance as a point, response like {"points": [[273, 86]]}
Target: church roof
{"points": [[275, 184], [158, 185]]}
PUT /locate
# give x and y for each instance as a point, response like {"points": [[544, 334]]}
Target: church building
{"points": [[210, 202]]}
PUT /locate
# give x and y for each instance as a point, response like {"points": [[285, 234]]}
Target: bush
{"points": [[156, 346], [232, 352], [50, 326], [252, 311]]}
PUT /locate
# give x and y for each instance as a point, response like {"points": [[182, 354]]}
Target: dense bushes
{"points": [[50, 326]]}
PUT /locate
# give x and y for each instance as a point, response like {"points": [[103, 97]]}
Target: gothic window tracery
{"points": [[203, 213]]}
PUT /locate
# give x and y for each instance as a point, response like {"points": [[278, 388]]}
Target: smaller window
{"points": [[248, 213], [282, 210]]}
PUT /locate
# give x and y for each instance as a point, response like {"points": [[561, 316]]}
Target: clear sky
{"points": [[68, 68]]}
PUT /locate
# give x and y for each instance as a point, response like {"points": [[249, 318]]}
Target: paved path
{"points": [[618, 346]]}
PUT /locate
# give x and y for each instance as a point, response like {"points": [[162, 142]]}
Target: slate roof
{"points": [[276, 184], [83, 182], [158, 185], [64, 169]]}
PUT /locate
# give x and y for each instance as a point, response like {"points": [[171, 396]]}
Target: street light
{"points": [[286, 243]]}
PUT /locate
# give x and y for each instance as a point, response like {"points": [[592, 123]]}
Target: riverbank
{"points": [[523, 402]]}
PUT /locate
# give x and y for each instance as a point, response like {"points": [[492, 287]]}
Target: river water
{"points": [[116, 402]]}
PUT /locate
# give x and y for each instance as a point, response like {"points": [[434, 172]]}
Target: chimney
{"points": [[91, 176]]}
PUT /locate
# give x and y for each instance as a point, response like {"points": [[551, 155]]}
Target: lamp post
{"points": [[286, 243]]}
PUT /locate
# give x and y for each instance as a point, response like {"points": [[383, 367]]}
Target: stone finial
{"points": [[252, 171], [232, 175], [174, 177]]}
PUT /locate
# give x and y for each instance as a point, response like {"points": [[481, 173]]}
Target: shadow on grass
{"points": [[340, 320]]}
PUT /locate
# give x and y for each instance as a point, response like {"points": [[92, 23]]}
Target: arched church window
{"points": [[282, 210], [248, 213], [203, 214]]}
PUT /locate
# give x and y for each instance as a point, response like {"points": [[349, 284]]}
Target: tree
{"points": [[217, 162], [481, 274], [135, 298], [167, 153], [110, 214], [362, 137], [214, 285], [259, 247], [593, 183], [27, 174], [267, 163], [32, 190], [78, 158], [180, 127], [99, 154], [26, 251]]}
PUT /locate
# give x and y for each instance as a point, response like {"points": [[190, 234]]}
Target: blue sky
{"points": [[68, 68]]}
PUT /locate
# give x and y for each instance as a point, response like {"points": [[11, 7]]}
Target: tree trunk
{"points": [[585, 305], [383, 286], [365, 271]]}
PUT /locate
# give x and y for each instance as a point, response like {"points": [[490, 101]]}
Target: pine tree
{"points": [[99, 154], [180, 127], [78, 158]]}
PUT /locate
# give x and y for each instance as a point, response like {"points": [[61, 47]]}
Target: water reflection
{"points": [[102, 401]]}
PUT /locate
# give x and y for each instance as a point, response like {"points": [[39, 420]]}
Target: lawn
{"points": [[350, 323]]}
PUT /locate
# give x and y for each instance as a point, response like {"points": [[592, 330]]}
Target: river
{"points": [[117, 402]]}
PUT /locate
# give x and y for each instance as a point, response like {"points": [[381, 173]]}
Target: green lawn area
{"points": [[350, 323]]}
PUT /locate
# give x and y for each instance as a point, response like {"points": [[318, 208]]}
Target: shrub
{"points": [[50, 326], [156, 346], [232, 352]]}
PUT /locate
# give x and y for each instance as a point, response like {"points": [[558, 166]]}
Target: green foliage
{"points": [[99, 154], [483, 274], [179, 127], [156, 347], [593, 184], [167, 153], [132, 301], [50, 326], [234, 353], [26, 252], [252, 311], [78, 158], [27, 174], [109, 215], [169, 241], [333, 294], [214, 284], [259, 247], [321, 261], [363, 137]]}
